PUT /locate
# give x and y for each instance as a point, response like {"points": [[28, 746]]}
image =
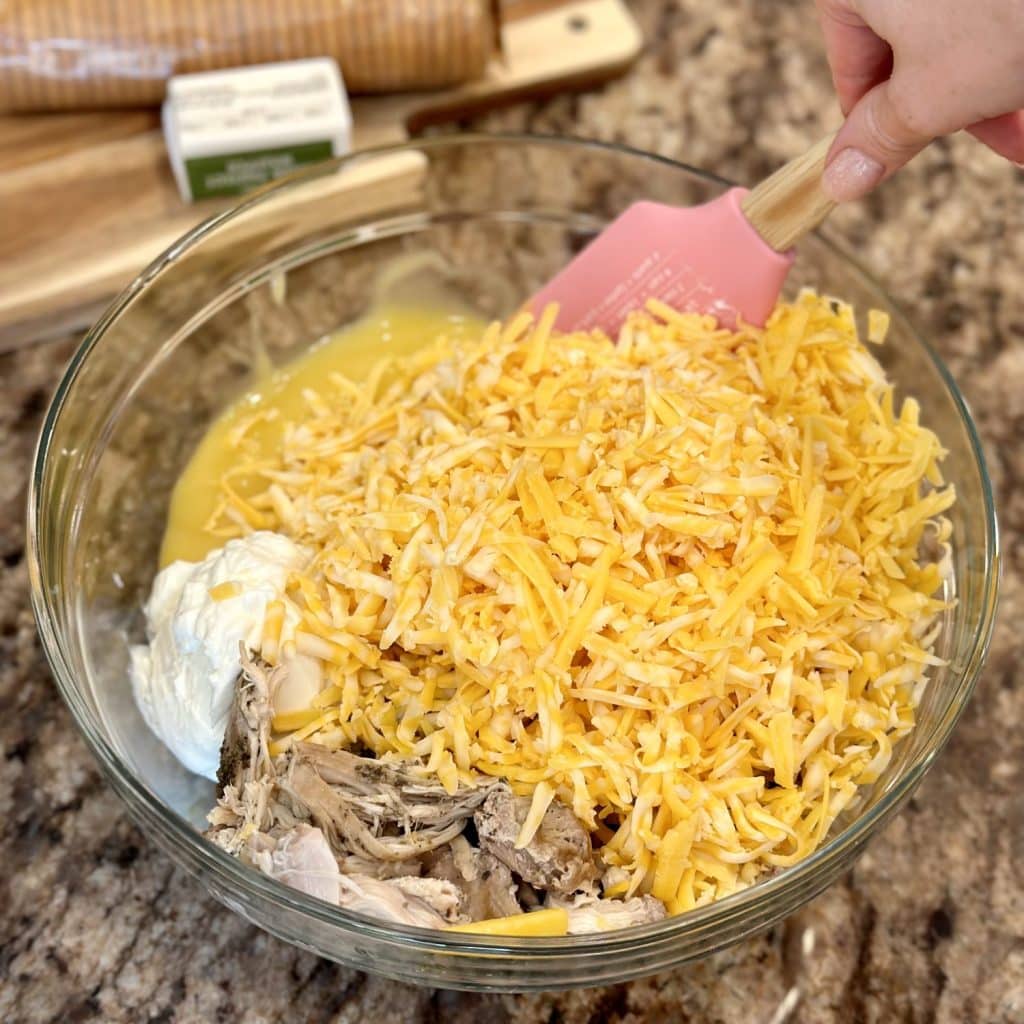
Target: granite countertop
{"points": [[929, 926]]}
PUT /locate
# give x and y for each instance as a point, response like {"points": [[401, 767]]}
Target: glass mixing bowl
{"points": [[285, 267]]}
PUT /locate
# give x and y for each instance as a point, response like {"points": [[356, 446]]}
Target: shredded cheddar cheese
{"points": [[674, 581], [552, 921]]}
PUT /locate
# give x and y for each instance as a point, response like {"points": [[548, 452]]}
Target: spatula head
{"points": [[705, 259]]}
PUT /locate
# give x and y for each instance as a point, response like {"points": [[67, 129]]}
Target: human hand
{"points": [[909, 71]]}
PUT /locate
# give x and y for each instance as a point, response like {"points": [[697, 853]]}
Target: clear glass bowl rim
{"points": [[232, 874]]}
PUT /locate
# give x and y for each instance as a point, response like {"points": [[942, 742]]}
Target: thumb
{"points": [[876, 140]]}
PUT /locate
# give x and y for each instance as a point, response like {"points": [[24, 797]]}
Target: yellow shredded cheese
{"points": [[552, 921], [543, 794], [225, 591], [674, 582], [878, 326]]}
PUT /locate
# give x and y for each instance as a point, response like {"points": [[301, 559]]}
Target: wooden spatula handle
{"points": [[784, 207]]}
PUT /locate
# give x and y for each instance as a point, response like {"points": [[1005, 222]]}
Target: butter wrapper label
{"points": [[236, 173]]}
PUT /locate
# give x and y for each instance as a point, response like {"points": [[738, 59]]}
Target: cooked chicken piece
{"points": [[487, 885], [427, 902], [333, 812], [589, 914], [494, 895], [351, 864], [558, 859], [301, 858], [249, 798], [444, 897], [378, 791], [244, 754], [377, 813], [360, 803], [240, 813], [456, 862]]}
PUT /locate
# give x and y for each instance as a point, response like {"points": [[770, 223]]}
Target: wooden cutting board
{"points": [[87, 200]]}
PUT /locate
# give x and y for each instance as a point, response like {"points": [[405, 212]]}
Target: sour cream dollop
{"points": [[184, 677]]}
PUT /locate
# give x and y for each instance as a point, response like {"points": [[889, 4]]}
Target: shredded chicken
{"points": [[250, 803], [490, 890], [245, 752], [352, 864], [558, 859], [381, 839], [301, 858], [589, 914], [427, 902], [355, 799]]}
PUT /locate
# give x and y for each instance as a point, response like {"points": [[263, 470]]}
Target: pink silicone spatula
{"points": [[728, 257]]}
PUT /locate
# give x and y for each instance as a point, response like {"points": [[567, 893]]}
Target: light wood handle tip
{"points": [[790, 203]]}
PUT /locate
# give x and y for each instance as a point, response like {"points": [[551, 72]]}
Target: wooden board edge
{"points": [[533, 64]]}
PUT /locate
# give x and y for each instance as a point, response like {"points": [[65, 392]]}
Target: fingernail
{"points": [[851, 175]]}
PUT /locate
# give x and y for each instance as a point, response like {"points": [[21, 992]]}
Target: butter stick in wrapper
{"points": [[82, 54], [230, 131]]}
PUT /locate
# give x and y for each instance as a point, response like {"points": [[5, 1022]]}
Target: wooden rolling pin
{"points": [[79, 54]]}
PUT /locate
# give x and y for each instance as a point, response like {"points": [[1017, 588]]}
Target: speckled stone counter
{"points": [[95, 923]]}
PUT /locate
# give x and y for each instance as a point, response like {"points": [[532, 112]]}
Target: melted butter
{"points": [[400, 321]]}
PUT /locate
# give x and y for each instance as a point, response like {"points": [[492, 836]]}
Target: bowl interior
{"points": [[293, 264]]}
